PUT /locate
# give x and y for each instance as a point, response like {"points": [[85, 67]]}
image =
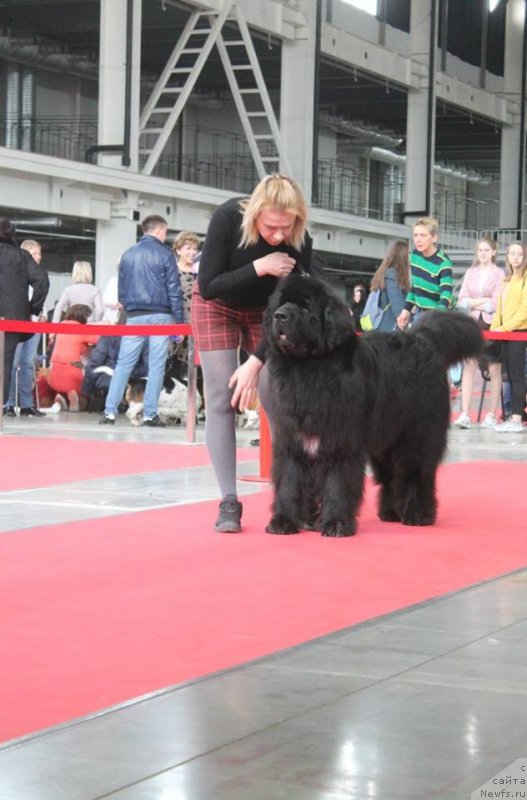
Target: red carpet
{"points": [[98, 613], [55, 461]]}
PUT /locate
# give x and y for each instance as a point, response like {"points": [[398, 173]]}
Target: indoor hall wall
{"points": [[468, 73], [63, 95], [362, 24], [204, 119]]}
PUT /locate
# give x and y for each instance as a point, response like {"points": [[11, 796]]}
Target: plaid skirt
{"points": [[216, 326]]}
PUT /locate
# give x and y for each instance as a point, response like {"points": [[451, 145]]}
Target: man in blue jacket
{"points": [[150, 292]]}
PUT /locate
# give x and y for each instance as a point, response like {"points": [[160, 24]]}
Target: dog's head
{"points": [[135, 391], [305, 318]]}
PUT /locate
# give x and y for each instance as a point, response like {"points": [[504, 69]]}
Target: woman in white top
{"points": [[112, 306], [479, 294], [81, 292]]}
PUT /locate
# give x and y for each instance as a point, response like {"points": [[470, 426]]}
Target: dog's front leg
{"points": [[289, 478], [341, 498]]}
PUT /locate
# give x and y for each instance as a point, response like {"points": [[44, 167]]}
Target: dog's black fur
{"points": [[340, 400]]}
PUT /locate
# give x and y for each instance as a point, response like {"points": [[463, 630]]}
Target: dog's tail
{"points": [[454, 335]]}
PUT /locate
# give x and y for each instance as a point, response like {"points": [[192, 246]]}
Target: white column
{"points": [[297, 98], [417, 113], [114, 236], [510, 135], [112, 79]]}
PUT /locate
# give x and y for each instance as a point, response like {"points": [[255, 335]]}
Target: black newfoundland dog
{"points": [[340, 401]]}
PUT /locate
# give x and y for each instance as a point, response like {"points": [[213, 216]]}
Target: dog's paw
{"points": [[389, 515], [311, 525], [339, 529], [418, 519], [282, 526]]}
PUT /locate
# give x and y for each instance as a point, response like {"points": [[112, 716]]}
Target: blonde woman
{"points": [[510, 316], [250, 244], [80, 292], [479, 294]]}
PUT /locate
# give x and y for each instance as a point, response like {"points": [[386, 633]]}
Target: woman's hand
{"points": [[244, 383], [403, 319], [277, 264], [477, 303]]}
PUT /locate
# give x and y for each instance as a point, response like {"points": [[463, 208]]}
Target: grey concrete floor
{"points": [[429, 702]]}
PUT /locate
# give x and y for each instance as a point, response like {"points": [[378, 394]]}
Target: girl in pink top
{"points": [[479, 294]]}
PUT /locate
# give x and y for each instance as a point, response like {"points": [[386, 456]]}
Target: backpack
{"points": [[371, 317]]}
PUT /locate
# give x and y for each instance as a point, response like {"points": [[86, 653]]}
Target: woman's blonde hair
{"points": [[185, 237], [493, 246], [82, 272], [281, 194], [508, 268], [396, 257]]}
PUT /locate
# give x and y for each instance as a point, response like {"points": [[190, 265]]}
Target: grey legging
{"points": [[220, 421]]}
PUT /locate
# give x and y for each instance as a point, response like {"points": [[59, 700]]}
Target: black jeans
{"points": [[513, 354], [11, 341]]}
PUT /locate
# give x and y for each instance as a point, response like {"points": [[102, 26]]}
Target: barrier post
{"points": [[265, 453], [266, 450], [192, 380], [2, 356]]}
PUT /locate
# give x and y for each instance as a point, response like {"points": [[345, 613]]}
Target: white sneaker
{"points": [[61, 402], [463, 421], [54, 409], [509, 427], [489, 421]]}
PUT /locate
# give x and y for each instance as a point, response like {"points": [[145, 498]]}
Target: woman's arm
{"points": [[98, 307], [496, 292], [221, 240], [517, 321], [495, 325], [62, 306], [396, 296]]}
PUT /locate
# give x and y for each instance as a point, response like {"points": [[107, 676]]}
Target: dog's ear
{"points": [[338, 322]]}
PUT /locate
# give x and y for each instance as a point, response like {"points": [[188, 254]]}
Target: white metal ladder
{"points": [[240, 61]]}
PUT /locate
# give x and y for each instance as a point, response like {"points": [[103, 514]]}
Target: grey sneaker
{"points": [[509, 427], [106, 419], [230, 516]]}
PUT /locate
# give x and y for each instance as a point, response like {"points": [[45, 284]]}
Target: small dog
{"points": [[172, 406], [134, 396]]}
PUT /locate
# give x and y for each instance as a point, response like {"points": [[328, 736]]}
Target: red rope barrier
{"points": [[23, 326], [512, 336]]}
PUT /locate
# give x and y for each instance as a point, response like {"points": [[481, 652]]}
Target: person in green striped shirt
{"points": [[430, 273]]}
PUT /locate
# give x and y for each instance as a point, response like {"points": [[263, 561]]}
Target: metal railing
{"points": [[466, 240], [62, 137], [215, 158]]}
